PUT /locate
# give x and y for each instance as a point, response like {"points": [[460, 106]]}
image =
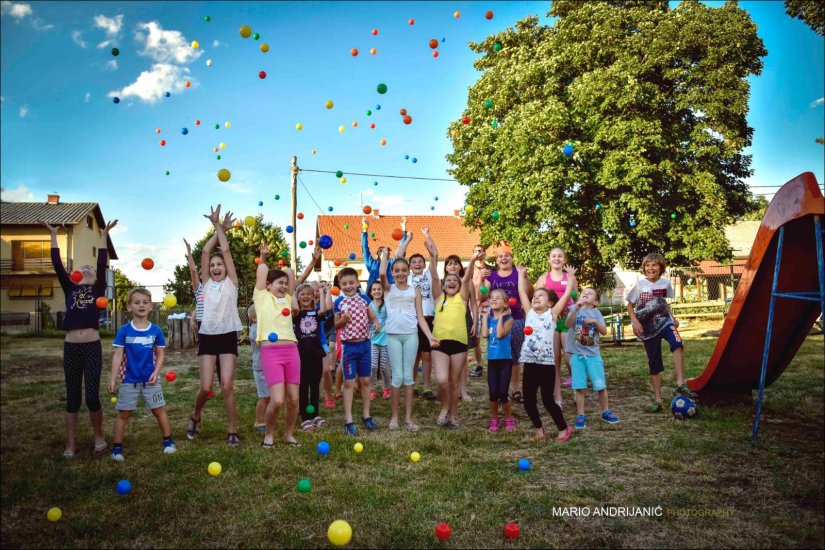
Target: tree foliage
{"points": [[244, 243], [757, 208], [654, 101], [811, 12], [123, 285]]}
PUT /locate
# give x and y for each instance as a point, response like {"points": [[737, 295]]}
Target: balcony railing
{"points": [[37, 265]]}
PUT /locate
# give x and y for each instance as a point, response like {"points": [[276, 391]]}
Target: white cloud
{"points": [[237, 187], [150, 85], [111, 64], [39, 25], [21, 193], [87, 97], [24, 111], [77, 38], [111, 25], [17, 10], [165, 46], [817, 102], [165, 256], [216, 43]]}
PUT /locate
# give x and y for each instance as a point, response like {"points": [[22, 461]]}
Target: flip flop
{"points": [[293, 443], [393, 424], [411, 426], [101, 449], [267, 445]]}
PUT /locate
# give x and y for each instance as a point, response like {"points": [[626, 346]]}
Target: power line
{"points": [[379, 175]]}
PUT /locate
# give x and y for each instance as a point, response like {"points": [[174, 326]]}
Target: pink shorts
{"points": [[281, 364]]}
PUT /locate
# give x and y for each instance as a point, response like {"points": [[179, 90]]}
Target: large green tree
{"points": [[812, 12], [244, 242], [653, 101]]}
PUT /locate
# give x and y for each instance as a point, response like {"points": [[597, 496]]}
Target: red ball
{"points": [[285, 312], [512, 302], [300, 215], [309, 242], [102, 302], [372, 126], [163, 143], [353, 52], [335, 291], [258, 261], [465, 120], [435, 54], [147, 263], [528, 330], [443, 531], [408, 119], [403, 112], [197, 123], [76, 276], [397, 234], [433, 43], [411, 21], [210, 395], [367, 209], [375, 32], [171, 376], [512, 531], [262, 75], [488, 15]]}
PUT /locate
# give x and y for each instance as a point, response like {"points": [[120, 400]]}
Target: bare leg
{"points": [[96, 419], [120, 425], [441, 365], [494, 409], [207, 375], [603, 399], [396, 398], [291, 412], [464, 379], [408, 402], [508, 409], [260, 410], [427, 361], [71, 432], [656, 382], [339, 380], [163, 421], [365, 396], [228, 390], [349, 390], [679, 365], [458, 366], [276, 401], [580, 402]]}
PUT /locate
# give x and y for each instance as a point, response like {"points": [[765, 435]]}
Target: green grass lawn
{"points": [[714, 489]]}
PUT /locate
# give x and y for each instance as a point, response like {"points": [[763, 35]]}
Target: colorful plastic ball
{"points": [[378, 107], [497, 47], [632, 223], [304, 486], [341, 128], [218, 157], [207, 18], [115, 52], [375, 32], [197, 123], [168, 94], [339, 532], [339, 174], [157, 130], [246, 31], [397, 234], [115, 100], [488, 104], [335, 291], [358, 447], [465, 120], [383, 142], [433, 43], [249, 220], [336, 262], [214, 468], [54, 514], [309, 242], [322, 448], [257, 261], [209, 62], [102, 302], [260, 203], [171, 376], [415, 456], [262, 75], [352, 255], [217, 126], [168, 172], [528, 331], [299, 126], [375, 183], [113, 400], [406, 157], [673, 216], [272, 337], [210, 395], [277, 197], [598, 206], [512, 531], [524, 464], [369, 112], [443, 39], [567, 150], [469, 208], [413, 160], [457, 14], [170, 300], [124, 487], [435, 54], [310, 409], [286, 312], [432, 208], [256, 36], [284, 254], [300, 215], [353, 52], [411, 21], [367, 209], [346, 226], [372, 234], [381, 88], [147, 263], [264, 47], [329, 104], [407, 119], [495, 215], [512, 302], [355, 124], [184, 131], [163, 143], [325, 241], [314, 151], [373, 51], [224, 174], [494, 123], [302, 244], [488, 15], [484, 289], [195, 44], [443, 531], [329, 208]]}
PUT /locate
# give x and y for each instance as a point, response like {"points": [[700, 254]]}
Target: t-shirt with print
{"points": [[309, 329], [424, 284], [650, 304], [139, 350], [583, 339], [356, 306], [498, 348], [538, 345]]}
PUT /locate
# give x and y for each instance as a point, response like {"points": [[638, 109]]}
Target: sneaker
{"points": [[350, 429], [581, 422], [307, 425], [369, 423], [373, 395], [319, 422], [233, 440], [260, 426], [493, 427], [387, 394], [609, 417], [429, 395], [476, 372], [117, 454], [567, 383], [169, 447], [656, 407], [192, 429], [329, 403], [565, 435], [686, 391], [510, 424]]}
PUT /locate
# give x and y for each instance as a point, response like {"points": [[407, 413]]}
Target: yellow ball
{"points": [[224, 174], [249, 220], [299, 126], [329, 104], [264, 47], [344, 179], [170, 300], [246, 31], [415, 457], [214, 469], [341, 129], [469, 208], [54, 514], [113, 400], [223, 145], [358, 447], [195, 44], [339, 532], [227, 124]]}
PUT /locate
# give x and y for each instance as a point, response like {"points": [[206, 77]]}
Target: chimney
{"points": [[457, 213], [375, 213], [53, 198]]}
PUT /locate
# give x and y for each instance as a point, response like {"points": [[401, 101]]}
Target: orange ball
{"points": [[435, 54], [188, 84], [157, 130], [346, 264], [367, 209], [355, 124], [403, 112], [373, 51], [433, 43], [335, 291], [337, 262], [354, 52], [411, 21], [147, 263], [457, 14], [102, 302], [383, 142], [408, 119], [397, 234], [237, 223], [257, 261], [300, 215]]}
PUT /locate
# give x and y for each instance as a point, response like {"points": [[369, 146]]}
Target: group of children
{"points": [[408, 312]]}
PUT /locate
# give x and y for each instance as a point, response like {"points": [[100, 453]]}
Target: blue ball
{"points": [[325, 242], [523, 464], [375, 183], [272, 337], [567, 150], [124, 487], [683, 407], [330, 209], [184, 131], [443, 39], [260, 203], [632, 223], [115, 100], [323, 448], [414, 160], [289, 229], [168, 94], [352, 255], [406, 157], [432, 208], [377, 107], [436, 198]]}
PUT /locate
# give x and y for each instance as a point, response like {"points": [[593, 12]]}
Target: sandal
{"points": [[654, 408], [517, 397], [411, 426], [101, 449], [267, 445], [233, 439], [192, 430], [292, 443], [307, 425], [455, 423], [441, 423], [393, 424]]}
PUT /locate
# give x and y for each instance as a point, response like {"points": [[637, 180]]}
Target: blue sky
{"points": [[62, 132]]}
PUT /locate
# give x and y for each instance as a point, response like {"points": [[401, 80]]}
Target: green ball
{"points": [[484, 289], [382, 88], [218, 157], [115, 52], [495, 215], [346, 226], [167, 172], [339, 174], [310, 409], [574, 294], [304, 486], [277, 197], [256, 36], [497, 47], [494, 123], [217, 126], [369, 113], [372, 234], [207, 18], [303, 244], [284, 254], [488, 104], [673, 216]]}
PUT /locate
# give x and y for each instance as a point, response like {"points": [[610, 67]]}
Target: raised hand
{"points": [[316, 254], [214, 214], [188, 248], [520, 268], [404, 224], [264, 249], [108, 227], [426, 231], [228, 221], [52, 228], [570, 270]]}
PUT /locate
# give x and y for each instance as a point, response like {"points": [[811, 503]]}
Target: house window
{"points": [[31, 255], [27, 292], [90, 222]]}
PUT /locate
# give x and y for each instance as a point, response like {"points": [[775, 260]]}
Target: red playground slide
{"points": [[735, 365]]}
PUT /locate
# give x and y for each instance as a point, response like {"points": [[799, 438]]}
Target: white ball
{"points": [[209, 63]]}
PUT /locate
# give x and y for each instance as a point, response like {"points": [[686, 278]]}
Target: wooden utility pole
{"points": [[293, 260]]}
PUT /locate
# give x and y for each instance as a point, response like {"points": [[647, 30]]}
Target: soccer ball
{"points": [[683, 407]]}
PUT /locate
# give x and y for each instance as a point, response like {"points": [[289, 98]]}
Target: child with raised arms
{"points": [[423, 279], [140, 345]]}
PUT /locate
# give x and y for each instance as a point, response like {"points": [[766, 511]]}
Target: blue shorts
{"points": [[357, 359], [653, 347], [587, 366]]}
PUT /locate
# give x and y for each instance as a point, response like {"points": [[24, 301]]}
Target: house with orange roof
{"points": [[450, 234]]}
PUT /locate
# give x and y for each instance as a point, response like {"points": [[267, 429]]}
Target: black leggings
{"points": [[312, 368], [541, 376], [79, 361], [498, 379]]}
